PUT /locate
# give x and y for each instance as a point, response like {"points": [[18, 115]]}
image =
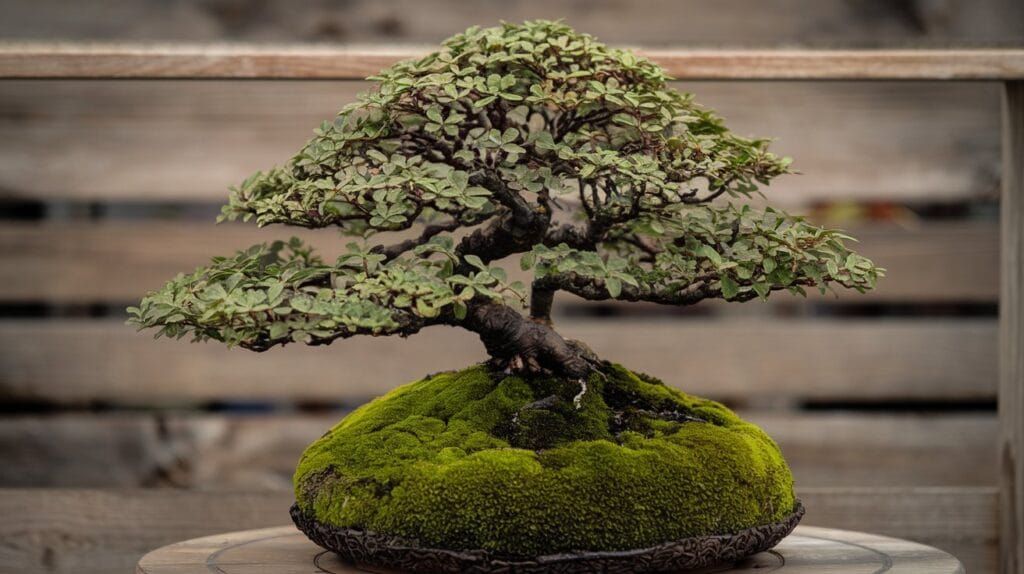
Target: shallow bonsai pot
{"points": [[373, 551]]}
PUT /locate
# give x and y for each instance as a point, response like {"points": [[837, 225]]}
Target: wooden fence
{"points": [[123, 171]]}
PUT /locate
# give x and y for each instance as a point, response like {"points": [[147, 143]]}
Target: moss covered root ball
{"points": [[476, 460]]}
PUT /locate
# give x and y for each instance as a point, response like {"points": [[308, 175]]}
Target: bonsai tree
{"points": [[532, 141]]}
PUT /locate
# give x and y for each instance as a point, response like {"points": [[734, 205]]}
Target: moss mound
{"points": [[474, 460]]}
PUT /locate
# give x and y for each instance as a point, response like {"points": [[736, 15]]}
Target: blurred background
{"points": [[107, 189]]}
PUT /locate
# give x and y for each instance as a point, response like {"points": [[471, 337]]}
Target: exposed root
{"points": [[577, 401]]}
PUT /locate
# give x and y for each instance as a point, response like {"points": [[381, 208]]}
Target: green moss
{"points": [[470, 460]]}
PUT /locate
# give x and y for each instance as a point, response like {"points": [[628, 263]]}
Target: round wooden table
{"points": [[809, 550]]}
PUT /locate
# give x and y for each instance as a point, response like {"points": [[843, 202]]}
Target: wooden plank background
{"points": [[88, 262], [189, 141], [120, 181], [672, 23], [76, 361], [258, 451]]}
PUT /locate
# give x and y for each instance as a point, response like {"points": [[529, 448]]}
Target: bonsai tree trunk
{"points": [[530, 345]]}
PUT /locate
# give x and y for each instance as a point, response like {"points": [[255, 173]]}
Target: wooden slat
{"points": [[655, 22], [1011, 333], [842, 64], [883, 449], [960, 521], [260, 451], [120, 261], [742, 360], [103, 531], [190, 141], [106, 531], [46, 60]]}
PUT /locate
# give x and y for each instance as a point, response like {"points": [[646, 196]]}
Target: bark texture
{"points": [[518, 344]]}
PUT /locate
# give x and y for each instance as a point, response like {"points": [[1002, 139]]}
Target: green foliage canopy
{"points": [[542, 142]]}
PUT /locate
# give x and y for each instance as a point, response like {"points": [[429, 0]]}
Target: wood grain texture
{"points": [[807, 549], [166, 141], [1011, 333], [953, 519], [259, 451], [119, 261], [88, 531], [170, 61], [779, 361], [652, 22], [105, 531], [851, 449]]}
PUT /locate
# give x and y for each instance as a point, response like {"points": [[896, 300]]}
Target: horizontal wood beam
{"points": [[119, 261], [741, 360], [176, 141], [94, 531], [139, 61], [243, 451]]}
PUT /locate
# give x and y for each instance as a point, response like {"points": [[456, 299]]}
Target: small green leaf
{"points": [[833, 269], [710, 253], [475, 261], [425, 310], [483, 102], [274, 292], [729, 287], [614, 286], [762, 289], [278, 330], [376, 156], [526, 261]]}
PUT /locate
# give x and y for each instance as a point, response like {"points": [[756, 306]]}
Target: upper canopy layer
{"points": [[507, 112]]}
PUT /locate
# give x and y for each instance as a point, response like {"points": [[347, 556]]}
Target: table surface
{"points": [[809, 550]]}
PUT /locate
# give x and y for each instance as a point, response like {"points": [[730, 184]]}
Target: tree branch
{"points": [[505, 236], [593, 289], [690, 198], [520, 208], [396, 249], [541, 301], [570, 235], [644, 244], [408, 324]]}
